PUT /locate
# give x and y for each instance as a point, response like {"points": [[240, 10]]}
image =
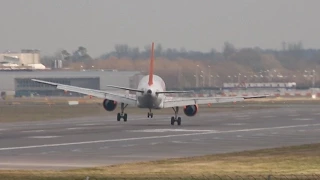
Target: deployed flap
{"points": [[92, 92]]}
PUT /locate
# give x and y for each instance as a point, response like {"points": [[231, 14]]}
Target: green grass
{"points": [[34, 109], [286, 161]]}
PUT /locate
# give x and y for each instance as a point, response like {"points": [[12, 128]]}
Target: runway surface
{"points": [[95, 141]]}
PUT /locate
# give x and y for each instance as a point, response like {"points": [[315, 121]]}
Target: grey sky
{"points": [[194, 24]]}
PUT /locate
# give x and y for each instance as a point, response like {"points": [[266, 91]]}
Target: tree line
{"points": [[289, 61]]}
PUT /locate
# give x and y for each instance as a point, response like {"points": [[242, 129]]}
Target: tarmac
{"points": [[99, 141]]}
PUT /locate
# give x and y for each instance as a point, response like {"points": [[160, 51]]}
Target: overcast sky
{"points": [[194, 24]]}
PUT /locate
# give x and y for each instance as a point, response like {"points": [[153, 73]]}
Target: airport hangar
{"points": [[19, 82]]}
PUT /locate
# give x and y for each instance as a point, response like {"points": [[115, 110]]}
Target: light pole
{"points": [[209, 76], [203, 78], [214, 81], [311, 74], [197, 76]]}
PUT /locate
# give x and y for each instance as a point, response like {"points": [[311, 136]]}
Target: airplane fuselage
{"points": [[149, 98]]}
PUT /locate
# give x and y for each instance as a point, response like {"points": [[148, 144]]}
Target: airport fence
{"points": [[214, 177]]}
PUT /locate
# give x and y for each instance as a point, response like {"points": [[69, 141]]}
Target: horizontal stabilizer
{"points": [[125, 88]]}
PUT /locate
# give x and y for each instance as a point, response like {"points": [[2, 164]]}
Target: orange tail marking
{"points": [[151, 65]]}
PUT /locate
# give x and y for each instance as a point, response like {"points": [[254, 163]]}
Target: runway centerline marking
{"points": [[43, 137], [155, 137]]}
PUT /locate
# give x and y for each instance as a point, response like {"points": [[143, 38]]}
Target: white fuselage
{"points": [[149, 98]]}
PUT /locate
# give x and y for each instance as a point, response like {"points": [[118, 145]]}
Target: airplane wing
{"points": [[92, 92], [205, 100]]}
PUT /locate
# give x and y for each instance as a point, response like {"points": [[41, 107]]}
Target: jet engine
{"points": [[190, 110], [109, 105]]}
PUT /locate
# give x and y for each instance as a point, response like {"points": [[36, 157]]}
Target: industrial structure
{"points": [[262, 85], [24, 59]]}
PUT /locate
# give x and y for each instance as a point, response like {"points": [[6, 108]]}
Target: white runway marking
{"points": [[88, 124], [235, 124], [170, 130], [242, 116], [43, 137], [2, 129], [128, 145], [47, 152], [259, 134], [156, 137], [154, 143], [302, 119], [75, 128], [179, 142], [268, 116], [104, 147], [293, 115], [40, 130], [76, 150]]}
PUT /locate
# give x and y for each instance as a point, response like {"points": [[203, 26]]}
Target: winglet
{"points": [[151, 65]]}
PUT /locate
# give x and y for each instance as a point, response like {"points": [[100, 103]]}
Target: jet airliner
{"points": [[150, 94]]}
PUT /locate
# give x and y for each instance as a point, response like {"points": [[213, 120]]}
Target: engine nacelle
{"points": [[190, 110], [109, 105]]}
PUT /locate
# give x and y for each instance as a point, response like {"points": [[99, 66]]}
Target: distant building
{"points": [[22, 58], [117, 78], [27, 87]]}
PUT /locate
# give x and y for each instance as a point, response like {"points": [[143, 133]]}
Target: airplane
{"points": [[150, 94]]}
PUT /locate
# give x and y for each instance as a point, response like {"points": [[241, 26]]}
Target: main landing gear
{"points": [[150, 114], [175, 118], [122, 114]]}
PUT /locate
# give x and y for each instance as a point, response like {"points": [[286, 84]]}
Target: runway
{"points": [[96, 141]]}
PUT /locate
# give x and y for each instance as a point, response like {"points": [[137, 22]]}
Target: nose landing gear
{"points": [[150, 114]]}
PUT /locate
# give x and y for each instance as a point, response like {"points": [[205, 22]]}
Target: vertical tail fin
{"points": [[151, 65]]}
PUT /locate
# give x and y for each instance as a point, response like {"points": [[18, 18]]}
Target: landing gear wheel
{"points": [[179, 121], [118, 117], [175, 118], [122, 114], [172, 120], [125, 117], [150, 114]]}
